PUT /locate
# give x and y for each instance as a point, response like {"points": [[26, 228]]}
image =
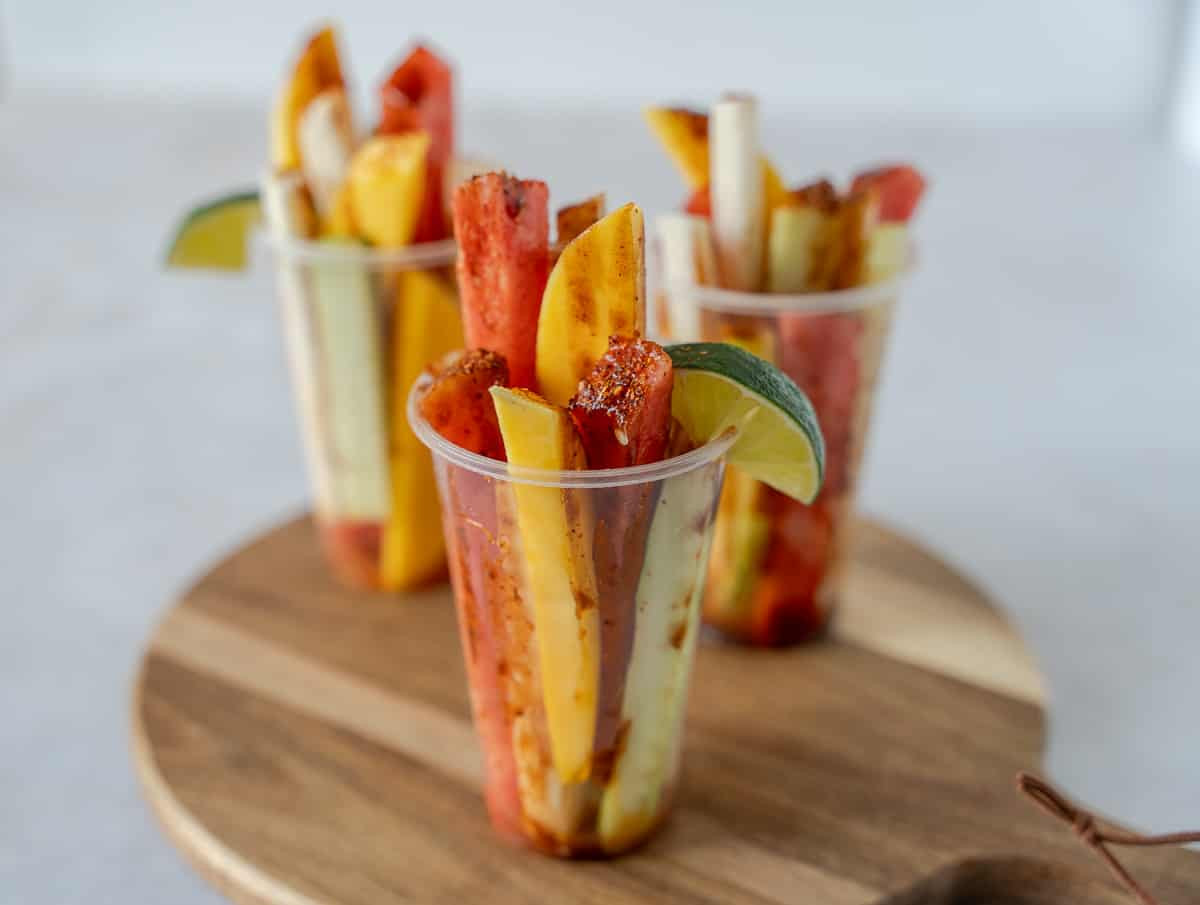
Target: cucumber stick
{"points": [[348, 330], [288, 215], [792, 248], [887, 252], [668, 606]]}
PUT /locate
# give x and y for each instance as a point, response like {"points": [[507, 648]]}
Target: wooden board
{"points": [[303, 745]]}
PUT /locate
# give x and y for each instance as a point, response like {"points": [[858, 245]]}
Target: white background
{"points": [[975, 61]]}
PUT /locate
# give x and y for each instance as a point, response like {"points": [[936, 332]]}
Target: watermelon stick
{"points": [[503, 230], [419, 96], [738, 192], [899, 190]]}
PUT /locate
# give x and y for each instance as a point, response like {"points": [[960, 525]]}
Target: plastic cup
{"points": [[578, 597], [776, 565], [360, 325]]}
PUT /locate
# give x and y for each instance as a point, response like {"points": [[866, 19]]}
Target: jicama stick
{"points": [[738, 196], [687, 260], [326, 137]]}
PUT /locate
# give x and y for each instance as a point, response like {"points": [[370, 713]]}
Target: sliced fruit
{"points": [[289, 215], [623, 413], [719, 387], [459, 170], [556, 538], [425, 327], [820, 194], [482, 597], [798, 236], [458, 405], [338, 222], [419, 96], [899, 189], [790, 601], [623, 406], [352, 549], [699, 203], [346, 334], [317, 69], [596, 290], [667, 626], [888, 252], [387, 185], [554, 809], [687, 259], [214, 233], [503, 229], [739, 203], [575, 218], [841, 255], [326, 136], [742, 530], [792, 250], [684, 135]]}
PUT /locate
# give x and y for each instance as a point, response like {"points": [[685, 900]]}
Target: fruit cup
{"points": [[776, 565], [578, 596], [360, 325]]}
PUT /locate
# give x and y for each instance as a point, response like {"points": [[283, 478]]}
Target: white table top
{"points": [[1035, 425]]}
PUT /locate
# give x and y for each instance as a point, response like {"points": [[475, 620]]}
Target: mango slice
{"points": [[387, 185], [317, 69], [684, 136], [596, 290], [573, 219], [556, 537], [426, 326]]}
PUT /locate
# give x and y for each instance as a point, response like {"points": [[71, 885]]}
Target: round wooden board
{"points": [[305, 745]]}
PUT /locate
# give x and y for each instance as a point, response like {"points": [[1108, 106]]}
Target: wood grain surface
{"points": [[305, 745]]}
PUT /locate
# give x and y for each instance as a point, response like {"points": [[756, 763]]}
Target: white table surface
{"points": [[1037, 425]]}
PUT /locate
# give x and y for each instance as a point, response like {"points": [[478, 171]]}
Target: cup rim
{"points": [[411, 257], [765, 304], [547, 477]]}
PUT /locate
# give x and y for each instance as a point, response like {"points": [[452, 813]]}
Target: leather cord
{"points": [[1095, 835]]}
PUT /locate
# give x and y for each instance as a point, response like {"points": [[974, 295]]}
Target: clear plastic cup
{"points": [[776, 565], [360, 326], [578, 596]]}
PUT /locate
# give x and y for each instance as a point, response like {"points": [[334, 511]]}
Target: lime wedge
{"points": [[214, 234], [719, 386]]}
